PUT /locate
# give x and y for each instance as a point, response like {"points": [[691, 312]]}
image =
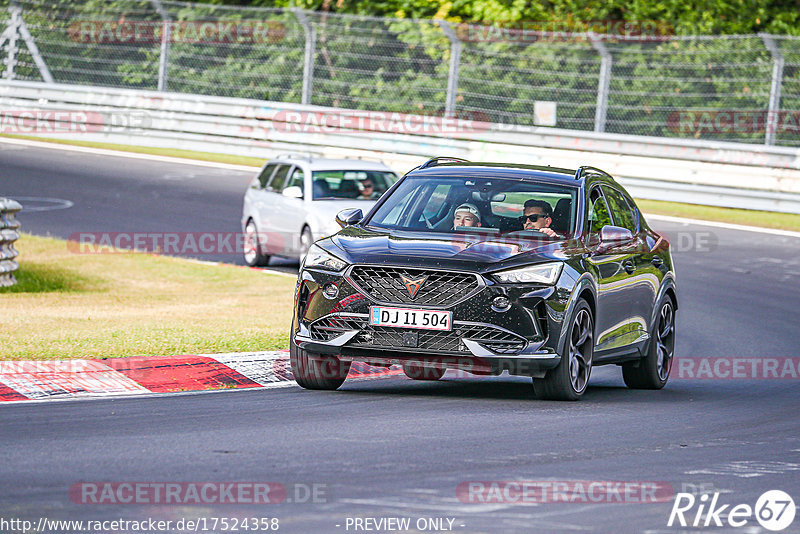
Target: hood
{"points": [[444, 250], [325, 211]]}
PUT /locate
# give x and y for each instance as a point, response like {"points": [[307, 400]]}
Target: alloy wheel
{"points": [[665, 340], [250, 244], [580, 345]]}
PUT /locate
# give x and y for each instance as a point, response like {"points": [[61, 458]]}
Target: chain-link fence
{"points": [[733, 88]]}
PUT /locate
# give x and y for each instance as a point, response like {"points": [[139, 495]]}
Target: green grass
{"points": [[44, 278], [765, 219], [69, 305]]}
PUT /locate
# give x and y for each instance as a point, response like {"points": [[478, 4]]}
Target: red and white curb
{"points": [[51, 379]]}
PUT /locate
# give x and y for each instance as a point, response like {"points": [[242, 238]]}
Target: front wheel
{"points": [[315, 371], [652, 371], [252, 247], [568, 380]]}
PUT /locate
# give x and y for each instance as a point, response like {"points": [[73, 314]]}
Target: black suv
{"points": [[485, 267]]}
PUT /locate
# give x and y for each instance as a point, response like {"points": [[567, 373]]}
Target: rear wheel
{"points": [[315, 371], [652, 371], [252, 247], [422, 372], [568, 380]]}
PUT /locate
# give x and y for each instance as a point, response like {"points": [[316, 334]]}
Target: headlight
{"points": [[546, 273], [320, 259]]}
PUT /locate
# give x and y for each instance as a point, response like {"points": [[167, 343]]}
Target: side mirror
{"points": [[611, 236], [349, 217], [293, 191]]}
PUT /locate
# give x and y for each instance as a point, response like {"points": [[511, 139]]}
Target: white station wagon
{"points": [[293, 201]]}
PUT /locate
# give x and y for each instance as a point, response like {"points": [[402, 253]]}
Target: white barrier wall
{"points": [[714, 173]]}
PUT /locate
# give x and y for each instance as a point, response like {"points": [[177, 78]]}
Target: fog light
{"points": [[330, 290], [501, 304]]}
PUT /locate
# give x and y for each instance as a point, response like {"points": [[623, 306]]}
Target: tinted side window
{"points": [[598, 213], [263, 178], [276, 184], [637, 215], [620, 211], [296, 179], [433, 210]]}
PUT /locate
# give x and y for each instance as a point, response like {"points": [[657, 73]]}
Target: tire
{"points": [[422, 372], [306, 240], [252, 247], [652, 371], [315, 371], [568, 380]]}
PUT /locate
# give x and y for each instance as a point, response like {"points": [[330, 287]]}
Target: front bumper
{"points": [[482, 339]]}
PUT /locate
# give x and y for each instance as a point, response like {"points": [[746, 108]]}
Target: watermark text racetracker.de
{"points": [[47, 525], [173, 243], [563, 491], [196, 493], [142, 32], [70, 121], [733, 121], [566, 30], [736, 368], [370, 122]]}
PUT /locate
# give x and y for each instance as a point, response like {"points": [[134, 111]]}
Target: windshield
{"points": [[363, 185], [491, 206]]}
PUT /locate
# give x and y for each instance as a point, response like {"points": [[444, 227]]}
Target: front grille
{"points": [[440, 288], [386, 337], [495, 339], [331, 326]]}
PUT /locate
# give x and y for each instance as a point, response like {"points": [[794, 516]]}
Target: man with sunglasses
{"points": [[537, 216], [367, 190]]}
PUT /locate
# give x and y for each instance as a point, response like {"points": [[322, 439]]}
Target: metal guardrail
{"points": [[9, 233], [702, 172], [602, 76]]}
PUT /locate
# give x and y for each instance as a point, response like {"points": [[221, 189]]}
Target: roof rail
{"points": [[295, 155], [584, 168], [436, 161]]}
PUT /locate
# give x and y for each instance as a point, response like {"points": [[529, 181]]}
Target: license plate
{"points": [[410, 318]]}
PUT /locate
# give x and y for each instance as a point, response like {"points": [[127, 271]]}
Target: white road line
{"points": [[134, 155], [730, 226]]}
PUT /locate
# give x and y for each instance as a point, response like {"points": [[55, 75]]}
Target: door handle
{"points": [[658, 262], [629, 266]]}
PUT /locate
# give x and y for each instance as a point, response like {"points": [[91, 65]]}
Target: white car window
{"points": [[266, 174], [296, 179], [276, 183], [365, 185]]}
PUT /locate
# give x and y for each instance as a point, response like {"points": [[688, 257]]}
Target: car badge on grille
{"points": [[413, 286]]}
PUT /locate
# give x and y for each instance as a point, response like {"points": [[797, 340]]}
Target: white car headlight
{"points": [[545, 273], [317, 257]]}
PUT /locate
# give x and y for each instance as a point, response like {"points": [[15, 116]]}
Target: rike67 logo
{"points": [[774, 510]]}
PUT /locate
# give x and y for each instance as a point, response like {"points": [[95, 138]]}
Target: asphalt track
{"points": [[396, 448]]}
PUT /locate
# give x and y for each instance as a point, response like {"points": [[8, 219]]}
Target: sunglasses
{"points": [[533, 218], [365, 186]]}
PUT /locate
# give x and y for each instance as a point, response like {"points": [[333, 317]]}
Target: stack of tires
{"points": [[9, 233]]}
